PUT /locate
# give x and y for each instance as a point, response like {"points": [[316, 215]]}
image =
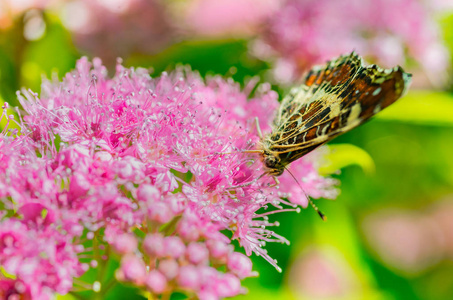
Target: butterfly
{"points": [[332, 100]]}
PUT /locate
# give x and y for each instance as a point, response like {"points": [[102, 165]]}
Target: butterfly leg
{"points": [[258, 128], [276, 182]]}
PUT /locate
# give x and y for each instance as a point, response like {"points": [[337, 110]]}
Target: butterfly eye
{"points": [[271, 161]]}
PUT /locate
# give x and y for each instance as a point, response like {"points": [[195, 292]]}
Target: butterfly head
{"points": [[273, 163]]}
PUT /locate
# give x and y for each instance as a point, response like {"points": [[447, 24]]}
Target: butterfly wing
{"points": [[332, 100]]}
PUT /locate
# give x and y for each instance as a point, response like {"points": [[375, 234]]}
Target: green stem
{"points": [[111, 283], [166, 296], [103, 265]]}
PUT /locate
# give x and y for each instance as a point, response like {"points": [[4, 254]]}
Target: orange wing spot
{"points": [[341, 76], [311, 133], [310, 80], [320, 78], [294, 118]]}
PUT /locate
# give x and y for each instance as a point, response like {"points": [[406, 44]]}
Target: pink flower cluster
{"points": [[151, 169], [107, 28], [426, 236], [178, 262], [114, 29], [226, 17], [307, 32]]}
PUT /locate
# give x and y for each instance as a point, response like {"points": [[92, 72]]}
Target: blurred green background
{"points": [[389, 234]]}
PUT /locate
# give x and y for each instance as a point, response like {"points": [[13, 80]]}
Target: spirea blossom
{"points": [[152, 169], [307, 32]]}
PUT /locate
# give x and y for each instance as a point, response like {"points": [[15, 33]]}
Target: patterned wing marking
{"points": [[333, 100], [335, 73]]}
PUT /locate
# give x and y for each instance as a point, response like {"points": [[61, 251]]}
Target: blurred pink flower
{"points": [[406, 241], [125, 243], [156, 282], [440, 214], [220, 17], [132, 269], [102, 158], [307, 32], [119, 28], [323, 274]]}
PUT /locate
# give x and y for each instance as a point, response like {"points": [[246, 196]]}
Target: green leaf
{"points": [[227, 57], [343, 155], [422, 107], [8, 75]]}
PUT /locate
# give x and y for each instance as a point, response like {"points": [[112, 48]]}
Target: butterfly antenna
{"points": [[323, 217], [242, 151]]}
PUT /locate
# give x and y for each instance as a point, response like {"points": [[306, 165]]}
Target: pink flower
{"points": [[125, 243], [99, 26], [207, 295], [307, 32], [228, 286], [219, 17], [218, 249], [174, 247], [240, 265], [421, 242], [188, 230], [160, 212], [139, 164], [42, 259], [169, 267], [147, 192], [197, 253], [189, 277], [323, 273], [156, 282], [153, 245], [132, 269]]}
